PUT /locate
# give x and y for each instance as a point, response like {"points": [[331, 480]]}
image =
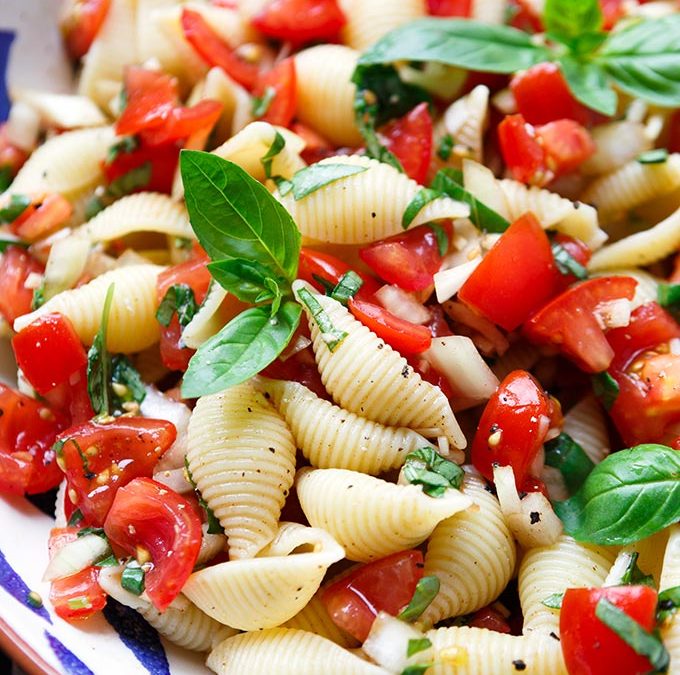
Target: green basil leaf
{"points": [[17, 205], [565, 454], [606, 388], [126, 382], [655, 156], [448, 182], [642, 59], [554, 601], [566, 263], [99, 364], [246, 345], [108, 561], [179, 298], [417, 669], [214, 526], [426, 591], [634, 576], [38, 299], [442, 238], [421, 199], [428, 468], [76, 516], [6, 177], [329, 333], [589, 85], [7, 241], [94, 205], [416, 645], [261, 103], [248, 280], [125, 145], [234, 216], [312, 178], [278, 144], [566, 20], [633, 634], [668, 296], [445, 147], [669, 603], [350, 282], [458, 42], [134, 179], [132, 578], [629, 496], [99, 531]]}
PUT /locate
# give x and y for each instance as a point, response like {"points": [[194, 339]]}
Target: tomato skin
{"points": [[460, 8], [406, 337], [53, 212], [214, 51], [408, 260], [385, 585], [16, 265], [409, 138], [520, 411], [509, 299], [49, 351], [98, 459], [592, 648], [491, 619], [163, 160], [80, 587], [80, 24], [165, 524], [281, 79], [568, 321], [521, 150], [300, 21], [566, 144], [184, 122]]}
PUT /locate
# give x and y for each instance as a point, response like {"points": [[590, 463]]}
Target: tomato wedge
{"points": [[184, 122], [98, 459], [80, 22], [146, 514], [566, 144], [48, 215], [279, 85], [161, 159], [16, 265], [386, 585], [300, 21]]}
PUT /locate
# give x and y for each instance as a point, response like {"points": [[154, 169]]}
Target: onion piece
{"points": [[402, 304], [76, 556], [448, 282], [613, 313]]}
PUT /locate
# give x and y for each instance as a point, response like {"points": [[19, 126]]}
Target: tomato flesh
{"points": [[184, 122], [16, 265], [386, 585], [162, 159], [49, 215], [281, 80], [460, 8], [150, 515], [566, 144], [300, 21], [80, 23]]}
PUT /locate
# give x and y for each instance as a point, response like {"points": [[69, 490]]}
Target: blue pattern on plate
{"points": [[17, 588], [70, 662], [6, 38], [138, 636]]}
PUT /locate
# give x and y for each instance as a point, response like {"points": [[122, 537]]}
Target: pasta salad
{"points": [[347, 332]]}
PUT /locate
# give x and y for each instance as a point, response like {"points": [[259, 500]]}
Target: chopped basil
{"points": [[17, 205], [312, 178], [179, 299], [134, 179], [278, 144], [125, 145], [417, 669], [428, 468], [131, 388], [5, 242], [329, 333], [655, 156], [565, 454], [416, 645], [606, 388], [668, 605], [99, 364], [77, 515], [6, 177], [634, 576], [38, 299], [633, 634], [214, 526], [99, 531], [132, 578], [442, 238], [109, 561], [350, 282], [566, 263], [261, 103], [445, 147], [668, 296], [94, 205], [421, 199], [554, 601], [426, 591]]}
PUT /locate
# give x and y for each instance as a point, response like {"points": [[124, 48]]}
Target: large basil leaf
{"points": [[588, 83], [246, 345], [567, 20], [247, 280], [629, 496]]}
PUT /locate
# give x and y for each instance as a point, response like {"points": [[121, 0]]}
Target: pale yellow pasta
{"points": [[670, 578], [641, 248], [370, 517], [617, 143], [478, 651], [132, 320], [66, 263], [69, 164], [365, 206], [473, 555], [286, 651], [367, 22], [65, 111], [182, 623], [465, 120], [649, 557], [207, 320], [211, 544], [522, 355], [333, 438], [366, 376], [489, 11], [264, 592], [325, 95], [552, 569], [633, 185], [242, 457], [586, 424]]}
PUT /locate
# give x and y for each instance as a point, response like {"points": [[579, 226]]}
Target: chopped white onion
{"points": [[76, 556], [157, 405], [301, 343], [448, 282], [618, 569], [402, 304], [613, 313], [504, 100]]}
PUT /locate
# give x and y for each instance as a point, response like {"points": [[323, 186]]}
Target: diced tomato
{"points": [[566, 145], [79, 596], [386, 585], [542, 95], [215, 51], [516, 277], [28, 430], [184, 122], [522, 151], [491, 619], [98, 459], [525, 17], [589, 646], [438, 325], [80, 22], [163, 160], [513, 426], [316, 146], [16, 265], [449, 7], [150, 515], [410, 139], [568, 322], [404, 336], [300, 21], [281, 81], [408, 260], [673, 143], [72, 399], [49, 215], [49, 351], [577, 250]]}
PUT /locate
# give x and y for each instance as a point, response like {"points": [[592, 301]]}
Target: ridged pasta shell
{"points": [[586, 424], [132, 321], [364, 207], [242, 458], [477, 651], [472, 553], [369, 517], [670, 577], [367, 377], [466, 119], [286, 651], [553, 569], [617, 143], [264, 592], [333, 438]]}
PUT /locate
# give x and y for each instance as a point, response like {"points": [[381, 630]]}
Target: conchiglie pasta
{"points": [[264, 592], [586, 424], [670, 578], [369, 517], [332, 438], [242, 457], [472, 554], [367, 22], [367, 377], [552, 569], [132, 320], [617, 143], [286, 651], [325, 94], [65, 111], [365, 206], [478, 651]]}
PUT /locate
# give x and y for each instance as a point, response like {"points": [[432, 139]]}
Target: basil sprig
{"points": [[436, 474], [179, 299], [629, 496], [565, 454], [426, 591]]}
